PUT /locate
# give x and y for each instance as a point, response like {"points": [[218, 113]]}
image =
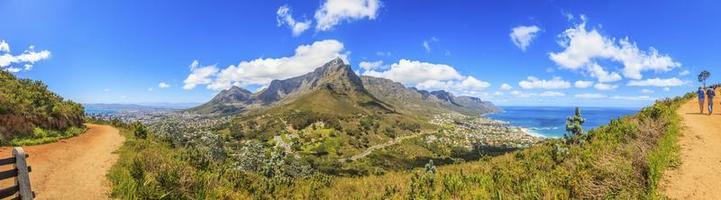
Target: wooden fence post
{"points": [[23, 177]]}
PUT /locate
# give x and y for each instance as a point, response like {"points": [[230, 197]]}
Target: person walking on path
{"points": [[701, 97], [710, 93]]}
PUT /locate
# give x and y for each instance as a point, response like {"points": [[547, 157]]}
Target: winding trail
{"points": [[370, 149], [72, 168], [699, 176]]}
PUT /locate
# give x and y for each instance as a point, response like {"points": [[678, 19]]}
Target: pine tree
{"points": [[574, 123]]}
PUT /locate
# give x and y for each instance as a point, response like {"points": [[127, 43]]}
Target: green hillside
{"points": [[28, 110], [622, 160]]}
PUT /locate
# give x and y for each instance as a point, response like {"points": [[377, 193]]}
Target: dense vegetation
{"points": [[622, 160], [30, 113]]}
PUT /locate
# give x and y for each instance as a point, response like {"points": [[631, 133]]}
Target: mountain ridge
{"points": [[338, 77]]}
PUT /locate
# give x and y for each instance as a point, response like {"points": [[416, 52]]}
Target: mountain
{"points": [[421, 101], [335, 78], [338, 78], [233, 100]]}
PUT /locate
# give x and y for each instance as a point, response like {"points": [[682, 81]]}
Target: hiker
{"points": [[701, 97], [710, 93]]}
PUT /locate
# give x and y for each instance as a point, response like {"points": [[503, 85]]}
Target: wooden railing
{"points": [[21, 173]]}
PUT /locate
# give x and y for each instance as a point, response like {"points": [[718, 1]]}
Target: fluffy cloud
{"points": [[263, 70], [535, 83], [334, 12], [551, 94], [430, 76], [647, 91], [582, 48], [505, 86], [583, 84], [413, 72], [657, 82], [590, 96], [467, 86], [199, 75], [284, 16], [163, 85], [368, 66], [522, 36], [604, 86], [23, 61], [602, 75]]}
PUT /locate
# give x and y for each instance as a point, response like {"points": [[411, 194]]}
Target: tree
{"points": [[139, 130], [574, 123], [703, 76]]}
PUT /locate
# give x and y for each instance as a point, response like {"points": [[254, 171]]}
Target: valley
{"points": [[335, 125]]}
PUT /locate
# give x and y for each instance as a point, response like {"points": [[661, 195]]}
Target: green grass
{"points": [[41, 136], [622, 160]]}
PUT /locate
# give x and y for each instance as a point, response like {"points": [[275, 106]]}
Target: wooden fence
{"points": [[21, 173]]}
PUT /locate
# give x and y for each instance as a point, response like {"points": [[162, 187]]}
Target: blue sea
{"points": [[551, 121]]}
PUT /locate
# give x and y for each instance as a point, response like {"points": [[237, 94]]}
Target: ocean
{"points": [[551, 121]]}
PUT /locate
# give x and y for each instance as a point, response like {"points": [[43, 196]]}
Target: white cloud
{"points": [[657, 82], [25, 60], [467, 86], [199, 75], [590, 96], [4, 46], [520, 94], [551, 94], [583, 84], [498, 93], [334, 12], [150, 89], [505, 86], [413, 72], [430, 76], [522, 36], [13, 69], [583, 48], [284, 16], [634, 98], [368, 66], [535, 83], [684, 73], [647, 91], [261, 71], [602, 75], [667, 89], [163, 85], [604, 86]]}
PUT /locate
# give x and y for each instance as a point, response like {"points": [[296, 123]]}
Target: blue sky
{"points": [[585, 53]]}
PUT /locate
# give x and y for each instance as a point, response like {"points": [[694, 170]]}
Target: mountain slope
{"points": [[26, 105], [233, 100], [412, 100]]}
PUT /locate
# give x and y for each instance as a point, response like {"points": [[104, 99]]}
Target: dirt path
{"points": [[699, 176], [73, 168], [370, 150]]}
